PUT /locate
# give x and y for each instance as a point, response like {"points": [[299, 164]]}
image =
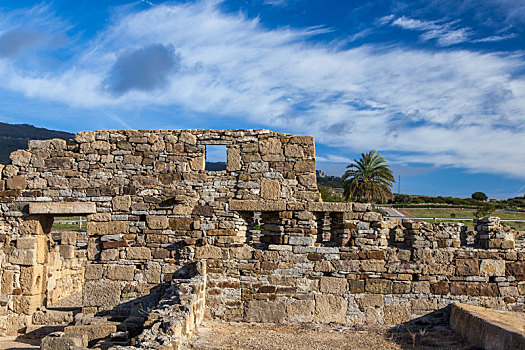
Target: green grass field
{"points": [[59, 226], [466, 213]]}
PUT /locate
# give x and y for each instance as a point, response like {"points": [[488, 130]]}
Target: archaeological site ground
{"points": [[169, 243]]}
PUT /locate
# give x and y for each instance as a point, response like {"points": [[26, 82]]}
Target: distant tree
{"points": [[368, 179], [402, 198], [484, 211], [328, 194], [479, 196]]}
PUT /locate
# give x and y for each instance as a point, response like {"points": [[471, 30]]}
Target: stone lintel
{"points": [[330, 206], [67, 208]]}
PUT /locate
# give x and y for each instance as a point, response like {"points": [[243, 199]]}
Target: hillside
{"points": [[16, 136]]}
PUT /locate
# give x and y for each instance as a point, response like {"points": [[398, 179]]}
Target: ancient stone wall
{"points": [[274, 252], [149, 202]]}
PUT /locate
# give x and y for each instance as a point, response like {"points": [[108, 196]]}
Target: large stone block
{"points": [[208, 252], [305, 166], [32, 279], [51, 317], [93, 272], [62, 341], [294, 150], [370, 300], [330, 309], [180, 224], [107, 228], [467, 267], [20, 158], [188, 138], [197, 163], [109, 255], [300, 311], [27, 304], [270, 146], [102, 294], [233, 159], [16, 183], [516, 269], [26, 242], [491, 267], [8, 280], [397, 313], [330, 206], [270, 189], [255, 205], [153, 273], [157, 222], [121, 272], [265, 311], [333, 285], [138, 253], [378, 286], [92, 331], [36, 225], [121, 203], [68, 208], [66, 251], [24, 257]]}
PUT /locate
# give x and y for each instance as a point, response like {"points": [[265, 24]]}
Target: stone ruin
{"points": [[168, 243]]}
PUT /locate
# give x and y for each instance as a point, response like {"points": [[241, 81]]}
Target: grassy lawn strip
{"points": [[466, 213], [59, 224]]}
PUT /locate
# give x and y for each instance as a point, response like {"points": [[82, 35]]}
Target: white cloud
{"points": [[455, 108], [333, 158], [444, 33], [494, 38]]}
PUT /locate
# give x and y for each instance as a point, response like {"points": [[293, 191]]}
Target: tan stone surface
{"points": [[233, 159], [330, 308], [107, 228], [265, 311], [16, 183], [69, 208], [102, 294], [121, 203], [20, 158], [138, 253], [120, 272], [333, 285], [270, 189], [157, 222]]}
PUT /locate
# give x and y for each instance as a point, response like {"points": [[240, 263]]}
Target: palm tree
{"points": [[368, 178]]}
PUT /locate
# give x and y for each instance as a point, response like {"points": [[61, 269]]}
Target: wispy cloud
{"points": [[445, 33], [451, 108], [494, 38]]}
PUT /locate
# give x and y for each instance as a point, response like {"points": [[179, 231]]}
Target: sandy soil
{"points": [[243, 336]]}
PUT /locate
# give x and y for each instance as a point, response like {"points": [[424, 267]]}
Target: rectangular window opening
{"points": [[216, 157], [70, 230]]}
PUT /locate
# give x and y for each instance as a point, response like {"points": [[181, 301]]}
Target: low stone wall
{"points": [[488, 329], [353, 286], [177, 315]]}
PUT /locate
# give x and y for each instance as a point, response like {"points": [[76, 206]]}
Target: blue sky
{"points": [[438, 87]]}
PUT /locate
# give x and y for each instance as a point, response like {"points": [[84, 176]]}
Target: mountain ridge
{"points": [[16, 136]]}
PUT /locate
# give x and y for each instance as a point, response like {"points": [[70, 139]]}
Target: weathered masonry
{"points": [[168, 241]]}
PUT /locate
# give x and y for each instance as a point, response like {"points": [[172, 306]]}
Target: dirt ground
{"points": [[243, 336], [8, 343]]}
